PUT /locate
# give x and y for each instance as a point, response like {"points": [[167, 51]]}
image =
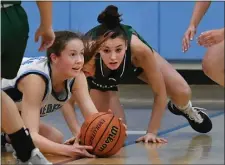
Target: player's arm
{"points": [[199, 11], [45, 8], [70, 116], [31, 105], [145, 59], [82, 96]]}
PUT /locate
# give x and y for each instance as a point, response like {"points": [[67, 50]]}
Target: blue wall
{"points": [[162, 24]]}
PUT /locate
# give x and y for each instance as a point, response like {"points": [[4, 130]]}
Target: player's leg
{"points": [[50, 132], [100, 99], [13, 125], [108, 100], [213, 63], [180, 93]]}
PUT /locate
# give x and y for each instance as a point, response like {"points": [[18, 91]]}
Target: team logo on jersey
{"points": [[49, 108]]}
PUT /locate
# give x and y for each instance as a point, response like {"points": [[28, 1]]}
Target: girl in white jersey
{"points": [[44, 84]]}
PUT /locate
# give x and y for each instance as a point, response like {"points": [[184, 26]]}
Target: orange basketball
{"points": [[104, 132]]}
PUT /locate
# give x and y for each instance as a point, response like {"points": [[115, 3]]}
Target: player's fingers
{"points": [[146, 140], [139, 139], [36, 37], [163, 140], [86, 154], [84, 147], [159, 140], [125, 126], [154, 140], [77, 138], [69, 141], [186, 43], [42, 46]]}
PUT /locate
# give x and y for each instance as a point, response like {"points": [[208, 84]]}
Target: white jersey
{"points": [[38, 65]]}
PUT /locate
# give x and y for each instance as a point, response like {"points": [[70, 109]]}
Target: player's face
{"points": [[71, 60], [112, 52]]}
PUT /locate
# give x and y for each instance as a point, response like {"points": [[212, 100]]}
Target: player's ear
{"points": [[53, 57]]}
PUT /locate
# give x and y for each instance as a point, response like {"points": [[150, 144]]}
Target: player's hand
{"points": [[74, 139], [211, 37], [125, 126], [70, 141], [150, 137], [80, 151], [47, 37], [153, 146], [188, 36]]}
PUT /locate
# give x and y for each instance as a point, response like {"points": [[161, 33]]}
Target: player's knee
{"points": [[56, 136], [183, 91], [207, 65]]}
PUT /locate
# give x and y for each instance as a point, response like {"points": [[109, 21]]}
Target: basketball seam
{"points": [[103, 134], [116, 140], [90, 125]]}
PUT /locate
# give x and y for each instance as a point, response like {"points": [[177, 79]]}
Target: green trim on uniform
{"points": [[14, 36]]}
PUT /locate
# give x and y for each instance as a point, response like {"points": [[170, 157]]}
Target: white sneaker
{"points": [[9, 148], [36, 158]]}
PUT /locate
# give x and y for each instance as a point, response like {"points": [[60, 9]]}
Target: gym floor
{"points": [[185, 146]]}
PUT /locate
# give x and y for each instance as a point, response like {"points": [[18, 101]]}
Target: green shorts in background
{"points": [[14, 36]]}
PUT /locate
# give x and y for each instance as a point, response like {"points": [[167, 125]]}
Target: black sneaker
{"points": [[198, 119]]}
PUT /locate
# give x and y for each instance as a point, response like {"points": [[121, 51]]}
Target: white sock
{"points": [[189, 105]]}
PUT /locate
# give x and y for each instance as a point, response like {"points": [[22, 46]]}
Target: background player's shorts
{"points": [[14, 36]]}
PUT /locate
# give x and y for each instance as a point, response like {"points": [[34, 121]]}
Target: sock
{"points": [[22, 143], [189, 105]]}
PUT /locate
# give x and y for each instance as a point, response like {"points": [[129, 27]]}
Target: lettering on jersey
{"points": [[104, 86], [49, 108]]}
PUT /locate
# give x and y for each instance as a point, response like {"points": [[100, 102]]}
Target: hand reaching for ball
{"points": [[125, 126], [70, 141], [77, 150]]}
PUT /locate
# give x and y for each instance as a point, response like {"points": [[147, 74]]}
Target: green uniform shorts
{"points": [[14, 36]]}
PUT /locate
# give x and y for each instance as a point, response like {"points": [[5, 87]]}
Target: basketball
{"points": [[104, 132]]}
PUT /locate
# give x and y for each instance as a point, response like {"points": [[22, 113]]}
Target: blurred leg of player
{"points": [[213, 63], [12, 124]]}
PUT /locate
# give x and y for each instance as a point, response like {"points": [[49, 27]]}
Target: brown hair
{"points": [[110, 21], [63, 37]]}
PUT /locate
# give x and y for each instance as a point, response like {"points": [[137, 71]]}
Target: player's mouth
{"points": [[113, 63], [76, 68]]}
